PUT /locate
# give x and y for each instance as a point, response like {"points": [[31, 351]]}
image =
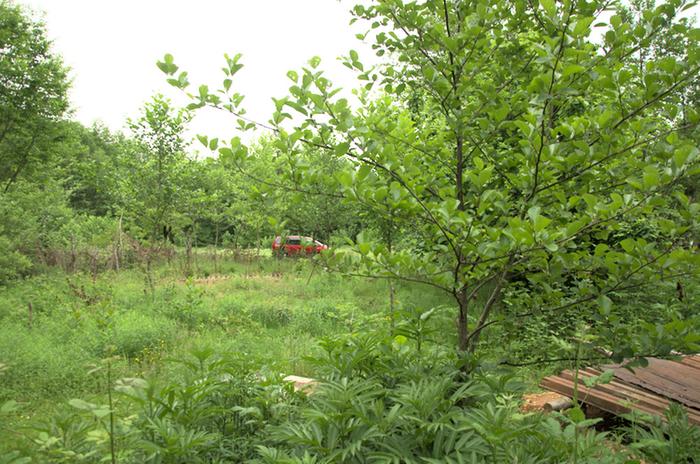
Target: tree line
{"points": [[72, 193]]}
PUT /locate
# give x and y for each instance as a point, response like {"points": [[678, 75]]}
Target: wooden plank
{"points": [[627, 393], [609, 402], [638, 397], [691, 361], [601, 400], [623, 396], [670, 379], [631, 390], [647, 389]]}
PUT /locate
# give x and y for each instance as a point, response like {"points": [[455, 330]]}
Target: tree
{"points": [[93, 164], [156, 168], [33, 85], [517, 140]]}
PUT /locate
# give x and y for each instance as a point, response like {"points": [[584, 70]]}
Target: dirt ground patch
{"points": [[209, 280], [536, 401]]}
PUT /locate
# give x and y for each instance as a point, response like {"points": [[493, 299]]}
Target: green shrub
{"points": [[674, 441], [40, 364], [13, 264], [379, 400], [386, 402], [133, 332], [188, 308], [214, 410], [269, 315]]}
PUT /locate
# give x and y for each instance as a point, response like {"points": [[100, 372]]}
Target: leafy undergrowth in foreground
{"points": [[95, 368], [56, 327], [378, 401]]}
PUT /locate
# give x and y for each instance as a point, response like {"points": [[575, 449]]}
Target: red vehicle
{"points": [[297, 245]]}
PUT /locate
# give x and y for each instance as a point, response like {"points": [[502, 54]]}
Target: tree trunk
{"points": [[188, 254], [216, 248], [392, 306], [150, 284], [462, 319], [194, 244], [392, 303], [118, 245]]}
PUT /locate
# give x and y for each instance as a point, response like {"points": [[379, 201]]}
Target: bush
{"points": [[40, 364], [270, 315], [28, 216], [673, 441], [13, 264], [133, 332], [380, 400]]}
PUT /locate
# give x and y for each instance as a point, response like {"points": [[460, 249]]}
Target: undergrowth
{"points": [[104, 369]]}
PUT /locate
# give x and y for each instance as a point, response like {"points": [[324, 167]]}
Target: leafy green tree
{"points": [[33, 85], [303, 192], [30, 215], [668, 40], [156, 169], [92, 164], [538, 138], [224, 202]]}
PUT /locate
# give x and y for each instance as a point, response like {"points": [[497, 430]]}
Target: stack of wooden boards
{"points": [[648, 389]]}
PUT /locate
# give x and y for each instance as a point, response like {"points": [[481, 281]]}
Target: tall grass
{"points": [[269, 311]]}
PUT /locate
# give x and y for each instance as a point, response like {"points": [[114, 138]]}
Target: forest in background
{"points": [[514, 191]]}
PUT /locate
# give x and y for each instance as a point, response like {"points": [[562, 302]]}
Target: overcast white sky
{"points": [[112, 48]]}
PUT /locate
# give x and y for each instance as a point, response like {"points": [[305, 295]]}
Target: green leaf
{"points": [[101, 412], [167, 65], [8, 407], [534, 212], [680, 155], [225, 153], [551, 247], [501, 113], [651, 177], [541, 223], [605, 377], [605, 305], [364, 247], [345, 178], [572, 69], [341, 149], [582, 26], [81, 404], [628, 245], [605, 118], [203, 91], [315, 61], [573, 227], [549, 7], [576, 414]]}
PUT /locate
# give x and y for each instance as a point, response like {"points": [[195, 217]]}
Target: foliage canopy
{"points": [[524, 143]]}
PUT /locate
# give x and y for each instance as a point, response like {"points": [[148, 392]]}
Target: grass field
{"points": [[67, 339], [272, 312]]}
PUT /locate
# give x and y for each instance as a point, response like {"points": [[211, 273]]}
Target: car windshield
{"points": [[293, 241]]}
